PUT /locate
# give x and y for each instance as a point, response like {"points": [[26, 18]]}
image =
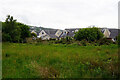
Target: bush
{"points": [[66, 40], [105, 41], [89, 34], [52, 39], [39, 40], [14, 31], [84, 42], [118, 40], [33, 35], [29, 40], [6, 37]]}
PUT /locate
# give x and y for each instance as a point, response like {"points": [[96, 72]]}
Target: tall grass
{"points": [[59, 61]]}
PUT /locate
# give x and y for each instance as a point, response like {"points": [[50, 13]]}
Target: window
{"points": [[42, 32]]}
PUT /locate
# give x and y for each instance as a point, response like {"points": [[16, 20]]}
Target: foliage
{"points": [[89, 34], [104, 41], [39, 40], [6, 37], [14, 31], [10, 30], [84, 42], [118, 40], [66, 40], [25, 33], [33, 35]]}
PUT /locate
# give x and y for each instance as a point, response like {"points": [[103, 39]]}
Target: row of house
{"points": [[46, 34]]}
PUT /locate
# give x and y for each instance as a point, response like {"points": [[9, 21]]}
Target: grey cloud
{"points": [[62, 13]]}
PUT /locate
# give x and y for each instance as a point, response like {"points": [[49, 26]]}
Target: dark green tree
{"points": [[13, 31], [89, 34], [24, 29], [118, 40], [10, 30]]}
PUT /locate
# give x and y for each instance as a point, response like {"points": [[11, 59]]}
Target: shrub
{"points": [[104, 41], [52, 39], [118, 40], [84, 42], [6, 37], [66, 40], [89, 34], [14, 31], [33, 35], [29, 40], [39, 40]]}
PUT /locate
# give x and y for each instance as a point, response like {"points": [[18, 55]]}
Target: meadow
{"points": [[59, 61]]}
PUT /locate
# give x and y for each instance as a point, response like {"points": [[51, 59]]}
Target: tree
{"points": [[24, 29], [118, 40], [89, 34], [14, 31], [10, 30]]}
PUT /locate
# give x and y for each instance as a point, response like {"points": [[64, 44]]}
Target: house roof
{"points": [[51, 31], [113, 33], [71, 34], [38, 32], [52, 36], [72, 29]]}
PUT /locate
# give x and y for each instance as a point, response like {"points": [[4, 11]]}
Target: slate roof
{"points": [[52, 36], [72, 29], [38, 32], [113, 33], [51, 31]]}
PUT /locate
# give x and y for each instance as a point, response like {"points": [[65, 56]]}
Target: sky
{"points": [[61, 14]]}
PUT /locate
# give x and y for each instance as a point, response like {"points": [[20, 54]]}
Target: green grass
{"points": [[59, 61]]}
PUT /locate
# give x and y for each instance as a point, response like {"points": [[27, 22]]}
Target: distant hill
{"points": [[38, 29]]}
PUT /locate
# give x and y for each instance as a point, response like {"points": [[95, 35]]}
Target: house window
{"points": [[42, 32]]}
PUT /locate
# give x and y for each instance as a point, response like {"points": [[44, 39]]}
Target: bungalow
{"points": [[110, 33], [47, 34]]}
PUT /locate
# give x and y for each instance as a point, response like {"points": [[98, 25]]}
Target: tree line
{"points": [[14, 31]]}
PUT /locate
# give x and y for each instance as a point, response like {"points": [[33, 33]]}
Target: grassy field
{"points": [[59, 61]]}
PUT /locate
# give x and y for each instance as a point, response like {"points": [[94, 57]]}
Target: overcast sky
{"points": [[62, 14]]}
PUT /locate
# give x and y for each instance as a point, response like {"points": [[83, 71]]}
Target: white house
{"points": [[106, 33], [58, 33], [47, 34]]}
